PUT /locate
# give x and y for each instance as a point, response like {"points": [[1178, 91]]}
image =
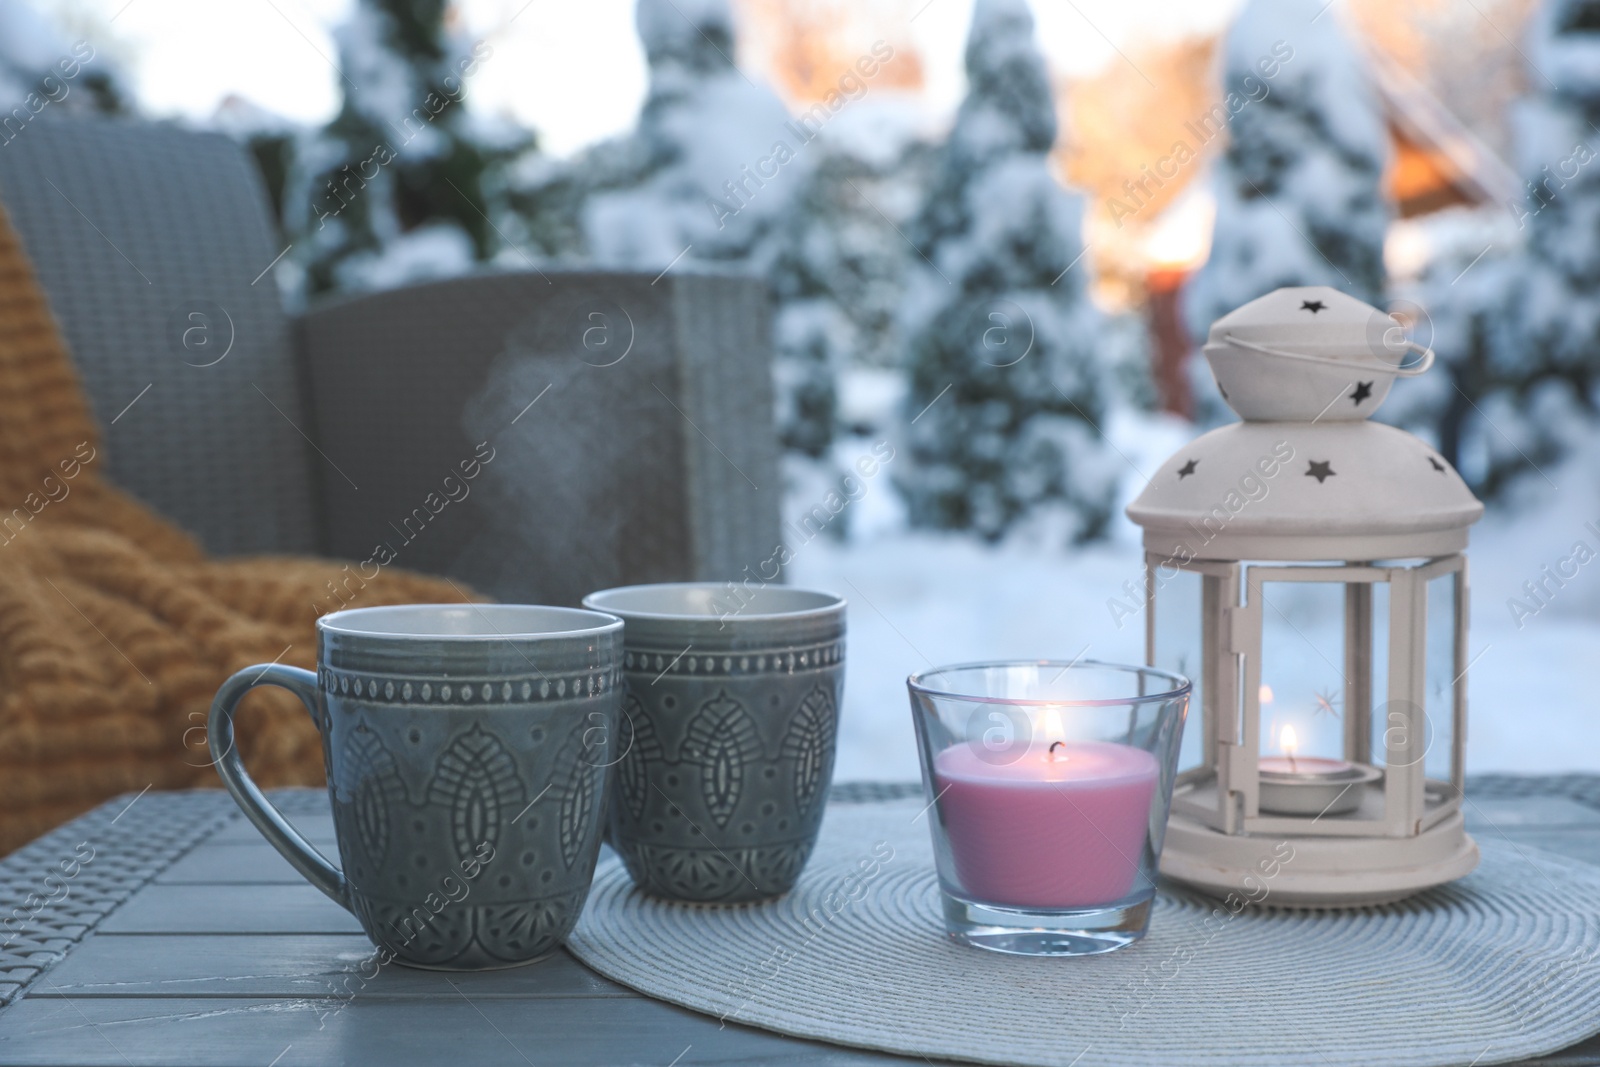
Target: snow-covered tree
{"points": [[1510, 296], [1551, 363], [841, 267], [403, 183], [709, 174], [42, 68], [719, 171], [713, 163], [1299, 189], [1459, 304], [1006, 386]]}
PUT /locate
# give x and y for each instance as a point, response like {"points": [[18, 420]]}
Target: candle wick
{"points": [[1293, 769], [1052, 752]]}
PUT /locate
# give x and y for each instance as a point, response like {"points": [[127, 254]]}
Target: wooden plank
{"points": [[285, 965], [237, 864], [318, 829], [257, 966], [230, 909], [177, 1032], [481, 1031]]}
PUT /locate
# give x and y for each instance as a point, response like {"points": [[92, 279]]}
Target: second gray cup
{"points": [[730, 716]]}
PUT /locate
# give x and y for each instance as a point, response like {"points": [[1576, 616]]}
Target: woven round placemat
{"points": [[1496, 967]]}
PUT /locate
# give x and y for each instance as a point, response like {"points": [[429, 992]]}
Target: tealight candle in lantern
{"points": [[1310, 785], [1308, 766]]}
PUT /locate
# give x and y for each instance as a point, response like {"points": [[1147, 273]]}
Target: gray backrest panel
{"points": [[601, 481], [150, 242], [725, 377]]}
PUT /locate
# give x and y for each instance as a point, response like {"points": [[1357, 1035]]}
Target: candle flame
{"points": [[1266, 694], [1289, 742], [1054, 734]]}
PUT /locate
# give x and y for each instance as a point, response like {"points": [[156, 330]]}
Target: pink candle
{"points": [[1047, 831]]}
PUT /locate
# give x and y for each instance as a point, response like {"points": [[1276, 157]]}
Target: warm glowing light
{"points": [[1288, 741], [1266, 694], [1050, 726], [1180, 237]]}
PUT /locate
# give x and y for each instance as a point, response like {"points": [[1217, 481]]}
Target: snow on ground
{"points": [[920, 599], [1532, 704]]}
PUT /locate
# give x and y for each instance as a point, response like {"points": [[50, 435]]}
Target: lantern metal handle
{"points": [[1412, 371]]}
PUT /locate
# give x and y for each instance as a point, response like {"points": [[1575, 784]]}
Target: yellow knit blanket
{"points": [[115, 629]]}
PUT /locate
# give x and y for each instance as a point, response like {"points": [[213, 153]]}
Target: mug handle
{"points": [[225, 756]]}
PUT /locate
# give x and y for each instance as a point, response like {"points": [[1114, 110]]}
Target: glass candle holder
{"points": [[1048, 786]]}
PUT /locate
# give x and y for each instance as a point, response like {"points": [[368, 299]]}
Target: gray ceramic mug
{"points": [[725, 749], [466, 749]]}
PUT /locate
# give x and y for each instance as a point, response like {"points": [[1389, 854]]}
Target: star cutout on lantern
{"points": [[1362, 391], [1321, 470], [1327, 701], [1436, 464], [1187, 469], [1312, 306]]}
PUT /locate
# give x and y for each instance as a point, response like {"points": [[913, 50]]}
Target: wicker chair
{"points": [[626, 421]]}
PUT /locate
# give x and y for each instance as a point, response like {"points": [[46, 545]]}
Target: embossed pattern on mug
{"points": [[718, 796], [401, 813]]}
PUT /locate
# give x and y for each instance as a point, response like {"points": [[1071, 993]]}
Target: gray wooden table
{"points": [[162, 930]]}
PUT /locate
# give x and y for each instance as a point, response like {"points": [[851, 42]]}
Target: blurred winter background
{"points": [[1099, 178]]}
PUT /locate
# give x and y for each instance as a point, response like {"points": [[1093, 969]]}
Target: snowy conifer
{"points": [[1299, 189], [719, 171], [404, 182], [841, 265], [1510, 297], [42, 68], [1551, 363], [713, 163], [1006, 386], [1459, 304]]}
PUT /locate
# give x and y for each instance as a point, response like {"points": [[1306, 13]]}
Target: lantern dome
{"points": [[1306, 476], [1310, 353], [1302, 491]]}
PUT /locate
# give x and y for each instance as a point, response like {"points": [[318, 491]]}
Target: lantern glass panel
{"points": [[1302, 669], [1178, 647], [1374, 717], [1440, 677]]}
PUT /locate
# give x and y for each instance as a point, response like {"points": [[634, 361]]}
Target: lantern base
{"points": [[1316, 872]]}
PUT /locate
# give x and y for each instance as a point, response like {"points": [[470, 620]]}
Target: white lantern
{"points": [[1305, 569]]}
